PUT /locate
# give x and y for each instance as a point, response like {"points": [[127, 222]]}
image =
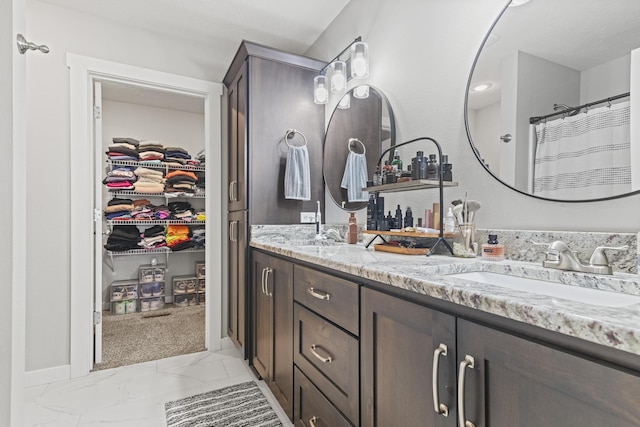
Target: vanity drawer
{"points": [[334, 298], [328, 356], [310, 404]]}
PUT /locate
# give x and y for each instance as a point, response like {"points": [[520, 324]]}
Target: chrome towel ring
{"points": [[352, 140], [290, 134]]}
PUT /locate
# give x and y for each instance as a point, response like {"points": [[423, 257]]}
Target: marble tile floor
{"points": [[134, 396]]}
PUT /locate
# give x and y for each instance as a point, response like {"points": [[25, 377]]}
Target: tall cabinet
{"points": [[267, 92]]}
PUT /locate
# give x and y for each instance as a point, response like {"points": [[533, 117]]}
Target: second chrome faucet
{"points": [[559, 256]]}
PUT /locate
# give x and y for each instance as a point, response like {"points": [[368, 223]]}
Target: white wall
{"points": [[485, 126], [605, 80], [421, 53], [47, 336]]}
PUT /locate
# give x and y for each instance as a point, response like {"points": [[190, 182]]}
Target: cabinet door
{"points": [[236, 182], [516, 382], [398, 340], [262, 321], [237, 247], [273, 338]]}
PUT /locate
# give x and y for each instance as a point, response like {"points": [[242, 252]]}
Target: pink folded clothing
{"points": [[119, 184]]}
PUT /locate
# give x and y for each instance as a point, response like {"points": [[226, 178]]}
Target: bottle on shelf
{"points": [[432, 167], [398, 218], [353, 229], [408, 217], [449, 222], [396, 163]]}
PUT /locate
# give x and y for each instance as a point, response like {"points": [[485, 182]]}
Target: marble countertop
{"points": [[617, 327]]}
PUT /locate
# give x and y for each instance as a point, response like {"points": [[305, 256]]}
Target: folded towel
{"points": [[355, 177], [297, 177]]}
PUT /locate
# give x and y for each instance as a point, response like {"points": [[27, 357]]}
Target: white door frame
{"points": [[83, 71], [13, 172]]}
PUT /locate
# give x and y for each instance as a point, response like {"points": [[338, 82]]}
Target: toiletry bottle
{"points": [[418, 166], [398, 218], [435, 216], [432, 167], [447, 174], [396, 163], [377, 176], [408, 217], [371, 212], [492, 250], [391, 223], [449, 222], [318, 222], [353, 229], [380, 221]]}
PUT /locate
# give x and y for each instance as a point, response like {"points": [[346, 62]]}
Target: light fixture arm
{"points": [[440, 186], [324, 69]]}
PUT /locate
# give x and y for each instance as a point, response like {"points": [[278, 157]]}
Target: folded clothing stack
{"points": [[201, 216], [162, 212], [149, 181], [144, 211], [153, 237], [118, 209], [120, 178], [197, 235], [151, 152], [123, 149], [181, 181], [181, 211], [176, 155], [123, 238], [178, 237]]}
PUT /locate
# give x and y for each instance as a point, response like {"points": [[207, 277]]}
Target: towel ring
{"points": [[352, 140], [292, 133]]}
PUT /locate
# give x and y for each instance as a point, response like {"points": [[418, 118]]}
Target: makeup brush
{"points": [[473, 206], [457, 212]]}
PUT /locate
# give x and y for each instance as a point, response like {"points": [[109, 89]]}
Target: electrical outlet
{"points": [[307, 217]]}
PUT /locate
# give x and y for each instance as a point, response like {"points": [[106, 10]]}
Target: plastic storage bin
{"points": [[184, 285]]}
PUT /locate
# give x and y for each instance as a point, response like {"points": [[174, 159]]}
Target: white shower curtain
{"points": [[585, 156]]}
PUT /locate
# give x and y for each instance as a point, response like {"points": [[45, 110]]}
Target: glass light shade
{"points": [[320, 91], [338, 76], [345, 102], [359, 60], [361, 92]]}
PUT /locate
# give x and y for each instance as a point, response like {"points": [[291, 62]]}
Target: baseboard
{"points": [[46, 376]]}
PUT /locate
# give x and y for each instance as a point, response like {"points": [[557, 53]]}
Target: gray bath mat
{"points": [[237, 405]]}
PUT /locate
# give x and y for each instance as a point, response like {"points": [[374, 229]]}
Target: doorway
{"points": [[99, 88]]}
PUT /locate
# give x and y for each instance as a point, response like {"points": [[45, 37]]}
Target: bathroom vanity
{"points": [[384, 339]]}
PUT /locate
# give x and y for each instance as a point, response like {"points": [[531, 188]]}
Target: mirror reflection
{"points": [[548, 108], [360, 128]]}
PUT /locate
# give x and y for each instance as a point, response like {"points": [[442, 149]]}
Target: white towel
{"points": [[297, 177], [355, 177]]}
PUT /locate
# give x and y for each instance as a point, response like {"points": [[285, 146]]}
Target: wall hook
{"points": [[24, 45]]}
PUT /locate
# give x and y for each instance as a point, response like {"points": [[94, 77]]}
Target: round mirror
{"points": [[360, 128], [548, 105]]}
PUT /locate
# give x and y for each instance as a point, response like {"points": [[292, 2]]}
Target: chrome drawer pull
{"points": [[318, 294], [318, 356], [468, 362], [440, 408], [312, 421]]}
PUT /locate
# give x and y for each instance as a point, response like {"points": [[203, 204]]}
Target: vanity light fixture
{"points": [[361, 92], [336, 73], [481, 87], [345, 102], [320, 91], [515, 3]]}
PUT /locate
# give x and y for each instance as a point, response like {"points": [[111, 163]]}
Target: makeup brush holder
{"points": [[464, 241]]}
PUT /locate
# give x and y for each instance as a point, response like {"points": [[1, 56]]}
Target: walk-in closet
{"points": [[151, 192]]}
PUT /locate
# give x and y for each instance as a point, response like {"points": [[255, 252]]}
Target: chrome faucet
{"points": [[559, 256]]}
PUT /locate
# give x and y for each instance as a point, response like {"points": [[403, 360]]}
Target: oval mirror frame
{"points": [[487, 40], [371, 121]]}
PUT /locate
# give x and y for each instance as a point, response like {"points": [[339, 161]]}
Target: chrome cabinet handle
{"points": [[318, 294], [327, 359], [266, 282], [232, 227], [264, 272], [468, 362], [312, 421], [440, 408], [233, 190]]}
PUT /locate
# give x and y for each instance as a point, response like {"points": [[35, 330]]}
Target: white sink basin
{"points": [[568, 292]]}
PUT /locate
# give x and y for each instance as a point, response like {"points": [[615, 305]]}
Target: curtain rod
{"points": [[538, 119]]}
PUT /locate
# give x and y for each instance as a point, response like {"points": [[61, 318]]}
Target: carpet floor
{"points": [[238, 405], [140, 337]]}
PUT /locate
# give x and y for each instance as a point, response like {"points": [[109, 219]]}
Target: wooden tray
{"points": [[400, 250]]}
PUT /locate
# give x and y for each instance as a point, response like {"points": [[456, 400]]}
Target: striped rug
{"points": [[237, 405]]}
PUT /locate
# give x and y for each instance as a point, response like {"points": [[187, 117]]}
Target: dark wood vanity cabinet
{"points": [[237, 273], [272, 293], [517, 382], [398, 341], [326, 349]]}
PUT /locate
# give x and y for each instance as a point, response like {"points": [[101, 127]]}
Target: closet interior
{"points": [[150, 187]]}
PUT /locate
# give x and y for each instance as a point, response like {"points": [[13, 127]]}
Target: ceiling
{"points": [[218, 26], [579, 34]]}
